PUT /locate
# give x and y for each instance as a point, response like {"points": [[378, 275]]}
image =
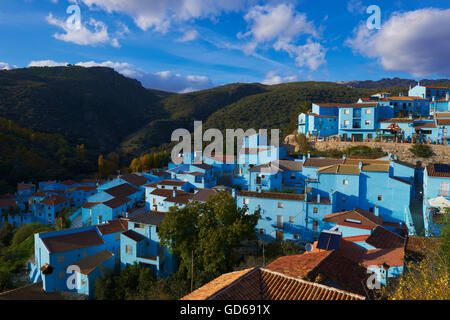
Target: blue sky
{"points": [[185, 45]]}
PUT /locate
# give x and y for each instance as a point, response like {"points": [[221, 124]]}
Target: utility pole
{"points": [[264, 258], [192, 271]]}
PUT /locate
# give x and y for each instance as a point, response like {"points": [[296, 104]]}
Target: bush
{"points": [[421, 150]]}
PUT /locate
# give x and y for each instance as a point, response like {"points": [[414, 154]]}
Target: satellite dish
{"points": [[309, 247]]}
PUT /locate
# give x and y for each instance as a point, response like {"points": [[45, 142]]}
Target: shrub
{"points": [[421, 150]]}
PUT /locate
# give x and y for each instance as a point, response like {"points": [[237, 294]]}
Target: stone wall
{"points": [[441, 153]]}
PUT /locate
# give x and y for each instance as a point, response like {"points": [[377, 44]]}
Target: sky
{"points": [[189, 45]]}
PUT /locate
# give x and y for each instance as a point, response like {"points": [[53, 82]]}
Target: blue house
{"points": [[160, 196], [276, 176], [49, 207], [71, 259], [24, 191], [286, 216], [199, 175], [436, 196], [358, 121], [428, 92], [440, 105], [140, 244]]}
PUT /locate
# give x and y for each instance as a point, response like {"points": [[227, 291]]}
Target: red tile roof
{"points": [[433, 171], [7, 202], [89, 205], [382, 238], [113, 226], [367, 218], [263, 284], [72, 241], [443, 122], [122, 191], [272, 195], [321, 162], [393, 257], [116, 202], [54, 200], [135, 179], [298, 266]]}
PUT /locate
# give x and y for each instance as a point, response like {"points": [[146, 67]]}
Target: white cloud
{"points": [[355, 6], [414, 42], [188, 35], [273, 78], [47, 63], [281, 26], [6, 66], [83, 35], [160, 15]]}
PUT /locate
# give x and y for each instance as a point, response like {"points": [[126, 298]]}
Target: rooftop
{"points": [[122, 191], [153, 218], [90, 263], [272, 195], [382, 238], [438, 170], [72, 241], [263, 284]]}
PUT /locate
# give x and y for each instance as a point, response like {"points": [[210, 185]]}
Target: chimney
{"points": [[233, 193], [360, 165], [377, 211], [318, 198]]}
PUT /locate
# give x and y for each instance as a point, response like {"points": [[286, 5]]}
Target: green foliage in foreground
{"points": [[421, 150], [16, 247]]}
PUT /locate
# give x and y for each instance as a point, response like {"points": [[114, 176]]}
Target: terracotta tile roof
{"points": [[263, 284], [298, 266], [442, 115], [166, 192], [68, 182], [73, 241], [133, 235], [356, 238], [393, 257], [396, 120], [272, 195], [113, 226], [122, 191], [382, 238], [221, 157], [340, 169], [366, 217], [182, 198], [438, 170], [54, 200], [203, 195], [134, 179], [443, 122], [321, 162], [153, 218], [436, 87], [425, 125], [91, 263], [404, 98], [116, 202], [86, 188], [289, 165], [267, 167], [89, 205]]}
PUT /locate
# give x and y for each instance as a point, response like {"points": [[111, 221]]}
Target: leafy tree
{"points": [[421, 150], [208, 233], [6, 234]]}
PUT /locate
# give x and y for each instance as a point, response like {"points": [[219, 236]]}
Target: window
{"points": [[315, 225], [139, 226], [60, 259], [343, 198], [83, 282], [246, 200], [280, 204], [292, 175], [261, 231], [367, 122], [346, 122], [296, 236], [380, 197], [291, 219], [368, 111], [347, 111], [117, 237], [62, 274], [315, 210], [345, 181], [444, 189], [128, 249]]}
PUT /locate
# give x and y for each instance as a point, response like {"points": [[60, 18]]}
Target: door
{"points": [[279, 221], [279, 235]]}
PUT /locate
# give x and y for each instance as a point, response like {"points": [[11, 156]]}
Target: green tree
{"points": [[208, 233], [421, 150]]}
